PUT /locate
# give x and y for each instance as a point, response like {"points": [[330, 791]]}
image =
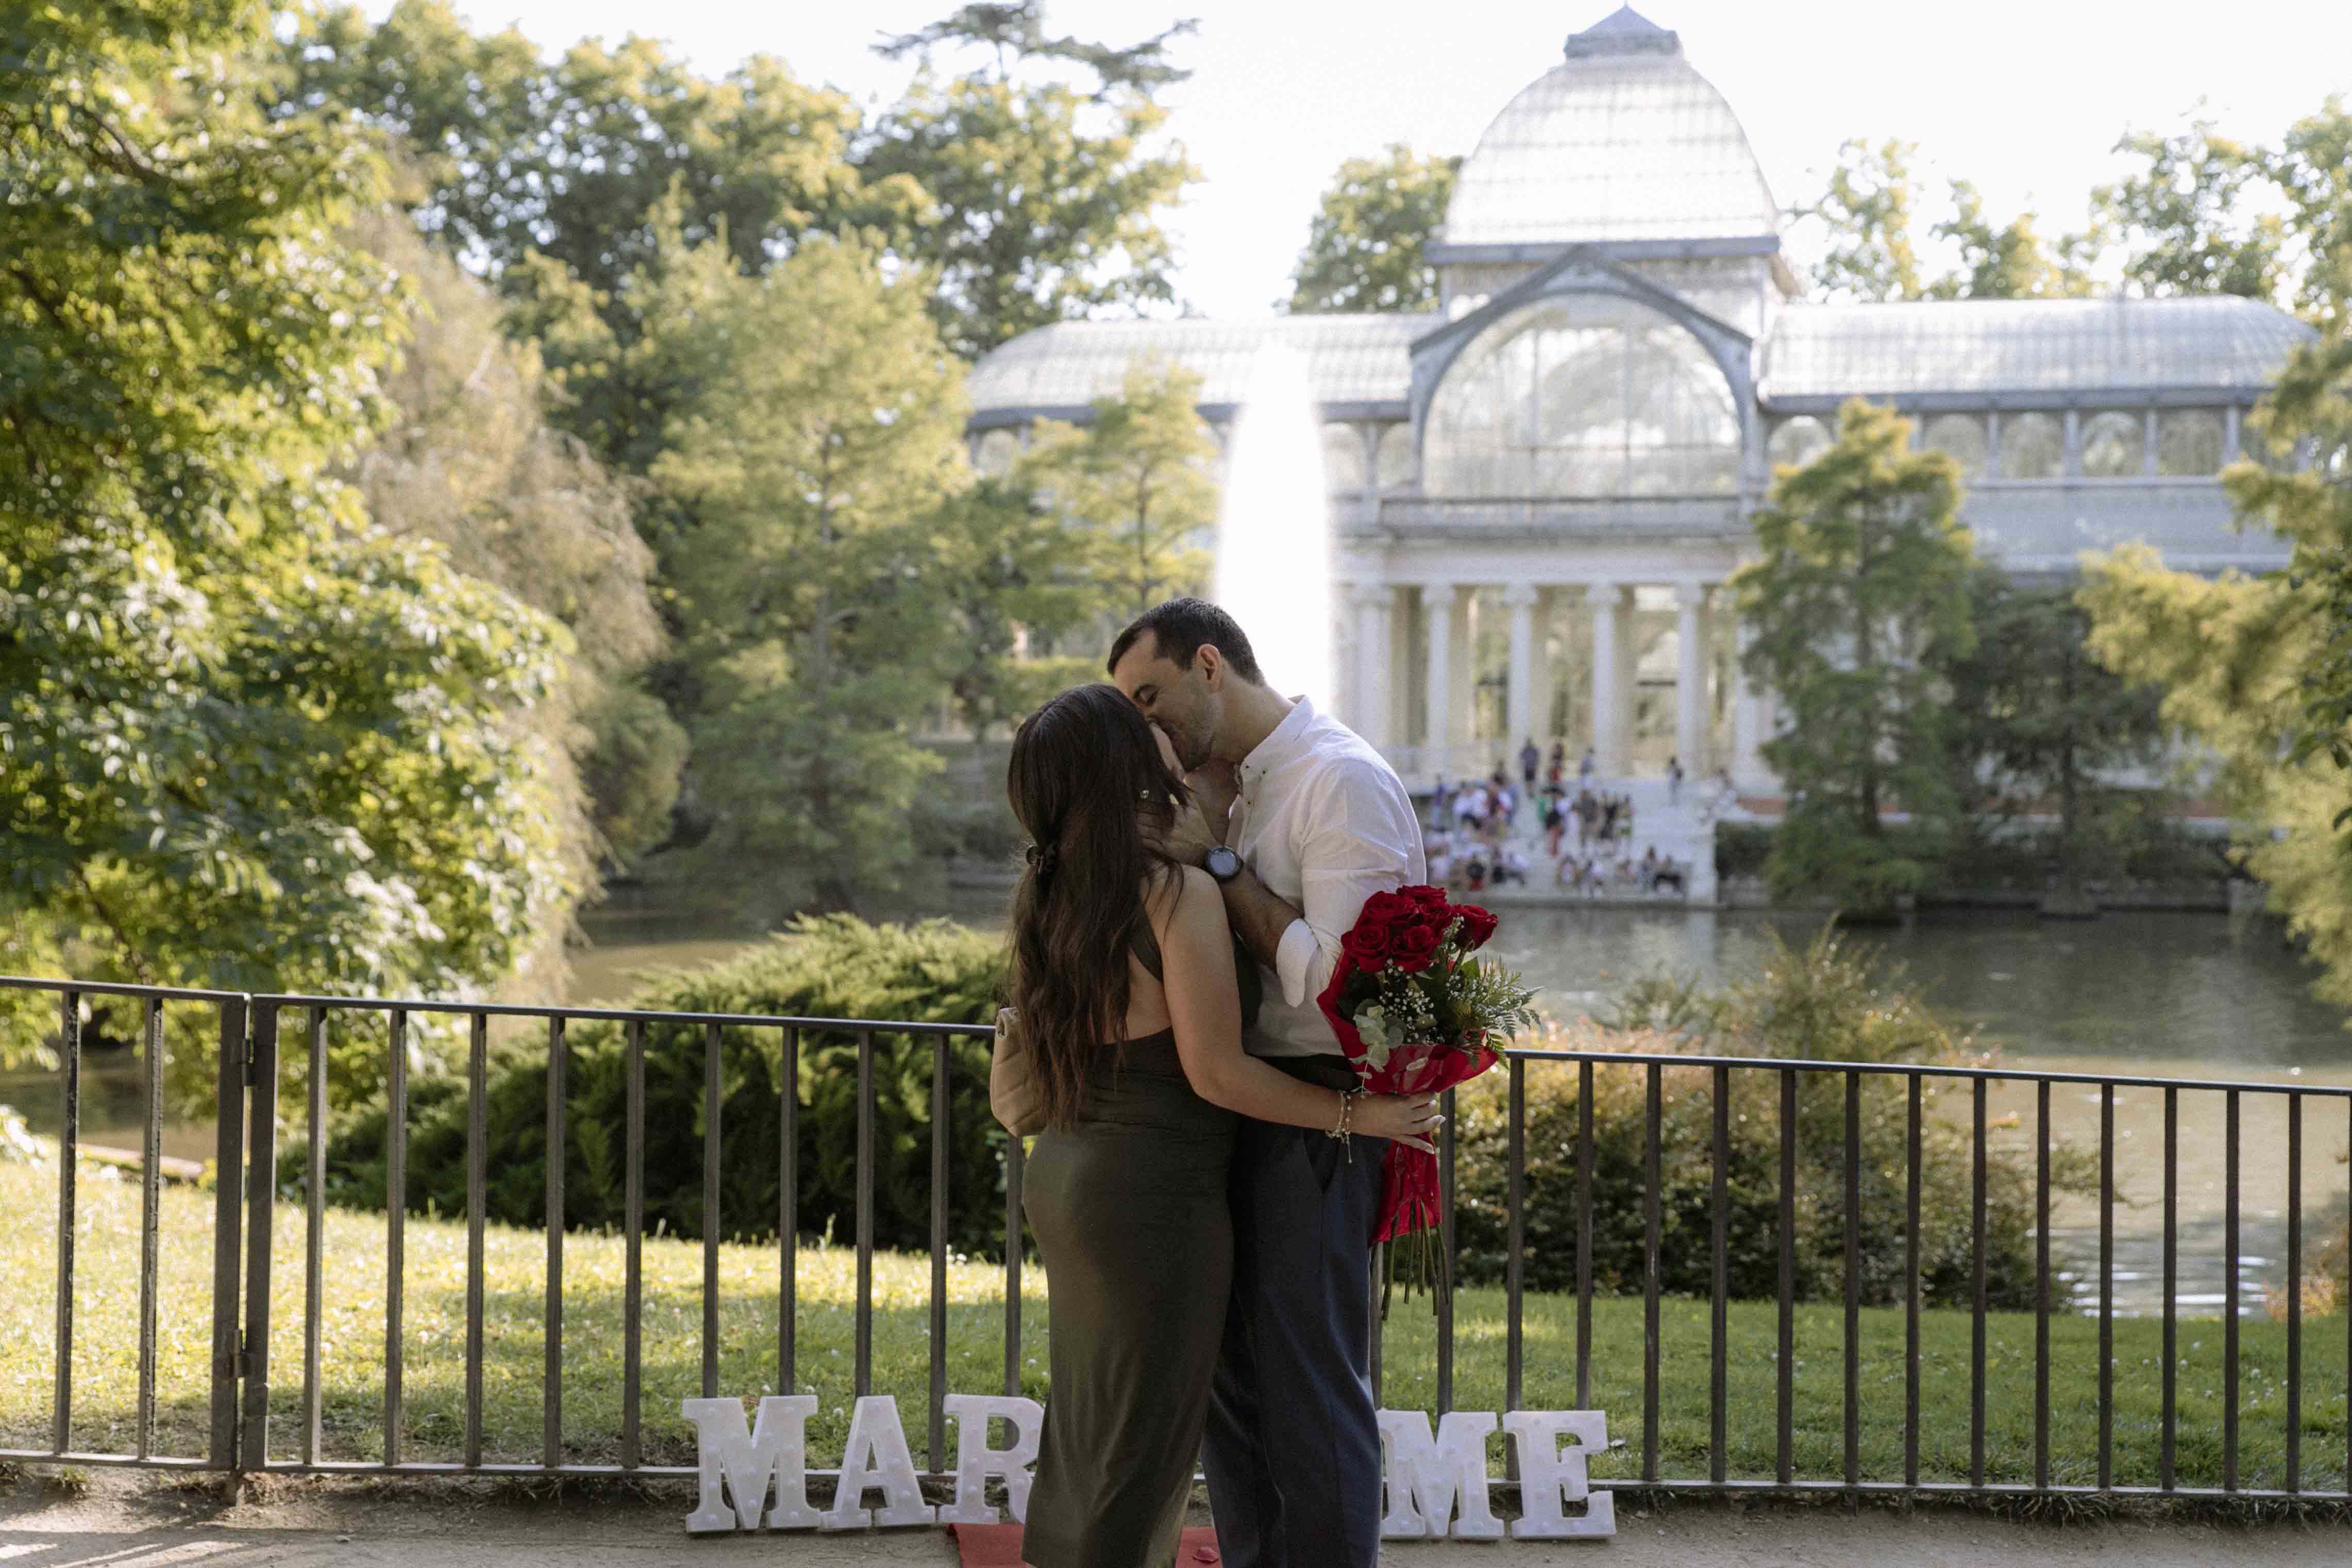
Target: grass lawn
{"points": [[106, 1359]]}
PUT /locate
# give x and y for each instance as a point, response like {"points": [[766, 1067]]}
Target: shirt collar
{"points": [[1288, 739]]}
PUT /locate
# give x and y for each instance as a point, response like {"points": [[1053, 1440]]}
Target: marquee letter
{"points": [[1550, 1475], [976, 1461], [777, 1446], [1425, 1478], [876, 1456]]}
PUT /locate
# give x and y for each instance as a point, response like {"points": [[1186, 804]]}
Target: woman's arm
{"points": [[1204, 1008]]}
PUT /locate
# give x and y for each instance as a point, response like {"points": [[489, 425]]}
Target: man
{"points": [[1300, 821], [1529, 759]]}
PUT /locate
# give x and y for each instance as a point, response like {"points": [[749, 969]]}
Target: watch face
{"points": [[1223, 863]]}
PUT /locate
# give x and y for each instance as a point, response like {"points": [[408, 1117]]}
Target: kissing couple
{"points": [[1203, 1185]]}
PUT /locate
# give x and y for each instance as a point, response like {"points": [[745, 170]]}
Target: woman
{"points": [[1129, 1022]]}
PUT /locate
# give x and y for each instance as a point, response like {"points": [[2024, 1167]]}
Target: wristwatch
{"points": [[1222, 862]]}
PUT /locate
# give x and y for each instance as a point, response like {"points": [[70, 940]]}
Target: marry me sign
{"points": [[1437, 1480]]}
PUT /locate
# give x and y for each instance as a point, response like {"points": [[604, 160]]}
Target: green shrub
{"points": [[1820, 1002], [832, 966], [1742, 848]]}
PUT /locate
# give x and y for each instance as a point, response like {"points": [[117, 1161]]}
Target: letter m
{"points": [[1428, 1477]]}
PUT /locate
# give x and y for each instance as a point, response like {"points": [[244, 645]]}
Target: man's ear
{"points": [[1211, 661]]}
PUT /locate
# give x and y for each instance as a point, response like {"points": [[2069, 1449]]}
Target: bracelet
{"points": [[1342, 1129]]}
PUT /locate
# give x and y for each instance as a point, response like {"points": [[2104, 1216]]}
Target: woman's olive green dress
{"points": [[1128, 1208]]}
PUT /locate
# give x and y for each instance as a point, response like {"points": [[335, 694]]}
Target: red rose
{"points": [[1368, 944], [1426, 896], [1413, 947], [1477, 925], [1386, 909]]}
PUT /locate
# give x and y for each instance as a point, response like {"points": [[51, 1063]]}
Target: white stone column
{"points": [[1437, 610], [1690, 679], [1370, 714], [1608, 745], [1519, 724]]}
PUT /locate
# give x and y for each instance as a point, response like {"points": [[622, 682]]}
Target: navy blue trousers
{"points": [[1293, 1448]]}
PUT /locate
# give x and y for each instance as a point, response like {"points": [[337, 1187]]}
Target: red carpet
{"points": [[999, 1546]]}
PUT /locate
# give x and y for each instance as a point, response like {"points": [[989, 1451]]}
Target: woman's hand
{"points": [[1409, 1119]]}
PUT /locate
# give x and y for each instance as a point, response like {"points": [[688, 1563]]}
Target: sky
{"points": [[2027, 100]]}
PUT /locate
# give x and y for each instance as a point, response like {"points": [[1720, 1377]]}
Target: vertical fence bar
{"points": [[864, 1368], [261, 1195], [2106, 1286], [478, 1163], [1584, 1235], [632, 1285], [710, 1217], [2042, 1284], [395, 1202], [1514, 1264], [552, 1380], [1977, 1288], [2230, 1293], [1785, 1353], [1853, 1277], [228, 1230], [69, 1167], [1445, 1262], [938, 1253], [1719, 1282], [1913, 1131], [2170, 1413], [1014, 1155], [2295, 1294], [1651, 1140], [314, 1242], [151, 1215], [788, 1211]]}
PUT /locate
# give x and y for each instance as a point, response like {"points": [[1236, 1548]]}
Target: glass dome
{"points": [[1622, 142], [1586, 395]]}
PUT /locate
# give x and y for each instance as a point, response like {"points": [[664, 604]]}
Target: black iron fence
{"points": [[262, 1039]]}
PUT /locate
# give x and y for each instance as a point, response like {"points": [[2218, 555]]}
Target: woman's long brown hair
{"points": [[1090, 787]]}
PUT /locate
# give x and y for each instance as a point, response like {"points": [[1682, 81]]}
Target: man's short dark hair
{"points": [[1179, 628]]}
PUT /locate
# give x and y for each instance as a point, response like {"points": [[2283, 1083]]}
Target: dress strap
{"points": [[1146, 952]]}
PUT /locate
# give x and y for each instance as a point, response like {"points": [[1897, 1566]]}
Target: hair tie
{"points": [[1041, 858]]}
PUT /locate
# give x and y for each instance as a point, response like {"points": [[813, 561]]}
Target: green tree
{"points": [[1366, 251], [1863, 580], [2188, 217], [570, 162], [2033, 718], [815, 468], [1043, 198], [247, 739], [2312, 170], [2011, 262], [1011, 576], [1867, 213], [1139, 475], [470, 461]]}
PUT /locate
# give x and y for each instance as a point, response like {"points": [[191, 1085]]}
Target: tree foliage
{"points": [[814, 469], [1141, 475], [1011, 573], [1366, 249], [1867, 216], [1862, 583]]}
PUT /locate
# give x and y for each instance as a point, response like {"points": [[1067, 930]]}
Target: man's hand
{"points": [[1216, 786], [1190, 836]]}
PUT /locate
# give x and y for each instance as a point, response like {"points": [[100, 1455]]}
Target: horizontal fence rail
{"points": [[1757, 1268]]}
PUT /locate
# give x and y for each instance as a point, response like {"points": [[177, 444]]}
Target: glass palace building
{"points": [[1540, 489]]}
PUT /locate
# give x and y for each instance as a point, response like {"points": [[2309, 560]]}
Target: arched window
{"points": [[2114, 445], [1961, 437], [997, 451], [2189, 443], [2032, 447], [1799, 440], [1585, 396], [1396, 456], [1343, 458]]}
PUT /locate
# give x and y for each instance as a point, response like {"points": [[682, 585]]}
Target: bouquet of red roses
{"points": [[1415, 1009]]}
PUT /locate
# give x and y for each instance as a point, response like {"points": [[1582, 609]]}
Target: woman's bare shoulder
{"points": [[1182, 891]]}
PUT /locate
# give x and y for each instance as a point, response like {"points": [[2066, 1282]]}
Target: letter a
{"points": [[876, 1456]]}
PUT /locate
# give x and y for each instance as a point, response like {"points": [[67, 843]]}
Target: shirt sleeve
{"points": [[1360, 838]]}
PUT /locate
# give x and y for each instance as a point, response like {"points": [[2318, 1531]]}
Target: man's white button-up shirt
{"points": [[1325, 822]]}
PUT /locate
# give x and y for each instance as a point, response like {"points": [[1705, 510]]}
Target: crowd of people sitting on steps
{"points": [[1588, 834]]}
